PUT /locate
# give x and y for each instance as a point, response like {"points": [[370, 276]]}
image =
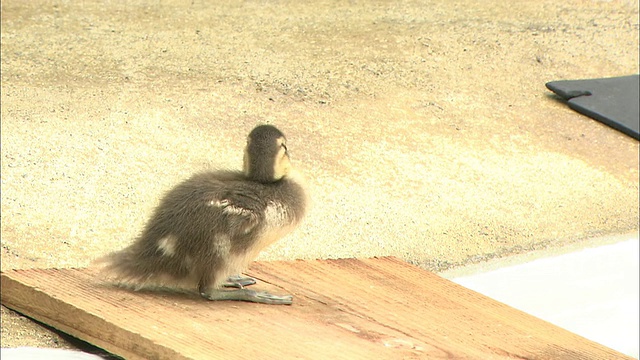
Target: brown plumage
{"points": [[214, 224]]}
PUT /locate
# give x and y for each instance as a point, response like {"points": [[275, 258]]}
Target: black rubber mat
{"points": [[612, 101]]}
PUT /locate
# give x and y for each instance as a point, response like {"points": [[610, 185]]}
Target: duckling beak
{"points": [[245, 162], [282, 165]]}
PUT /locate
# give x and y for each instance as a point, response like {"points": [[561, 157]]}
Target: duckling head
{"points": [[266, 158]]}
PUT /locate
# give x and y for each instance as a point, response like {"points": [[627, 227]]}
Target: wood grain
{"points": [[379, 308]]}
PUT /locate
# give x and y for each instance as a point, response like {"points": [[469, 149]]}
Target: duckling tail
{"points": [[119, 268], [127, 269]]}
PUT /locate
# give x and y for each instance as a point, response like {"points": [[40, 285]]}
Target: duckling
{"points": [[207, 229]]}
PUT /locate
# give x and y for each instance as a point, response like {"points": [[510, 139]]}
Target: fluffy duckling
{"points": [[211, 226]]}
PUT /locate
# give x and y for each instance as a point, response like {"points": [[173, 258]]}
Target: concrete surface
{"points": [[424, 128], [32, 353], [593, 292]]}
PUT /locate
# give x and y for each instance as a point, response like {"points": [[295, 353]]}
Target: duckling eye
{"points": [[285, 147]]}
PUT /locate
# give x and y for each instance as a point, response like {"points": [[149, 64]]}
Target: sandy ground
{"points": [[424, 128]]}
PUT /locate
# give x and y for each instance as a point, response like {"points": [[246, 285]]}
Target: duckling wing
{"points": [[242, 210]]}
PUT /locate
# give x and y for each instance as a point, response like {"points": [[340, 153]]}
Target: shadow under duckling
{"points": [[210, 227]]}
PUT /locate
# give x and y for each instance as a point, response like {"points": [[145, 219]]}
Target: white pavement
{"points": [[592, 292]]}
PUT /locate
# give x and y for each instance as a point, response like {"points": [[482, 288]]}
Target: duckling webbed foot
{"points": [[237, 281], [248, 295]]}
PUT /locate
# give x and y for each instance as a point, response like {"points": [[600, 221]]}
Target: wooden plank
{"points": [[379, 308]]}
